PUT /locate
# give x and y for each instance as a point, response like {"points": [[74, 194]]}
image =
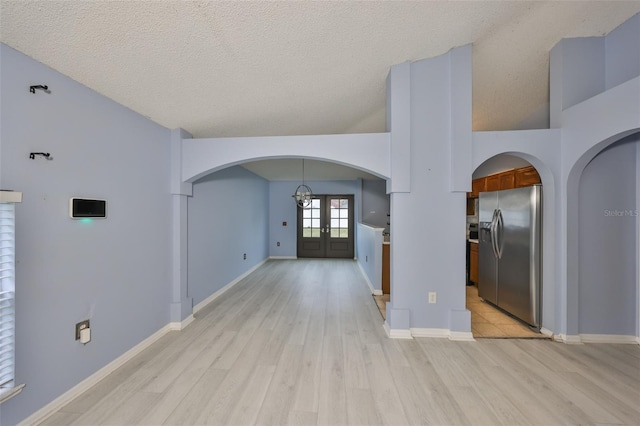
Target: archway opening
{"points": [[244, 214], [504, 253]]}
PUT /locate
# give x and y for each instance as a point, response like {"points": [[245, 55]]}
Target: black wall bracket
{"points": [[44, 88], [43, 154]]}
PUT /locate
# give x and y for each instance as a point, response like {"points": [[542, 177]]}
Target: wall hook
{"points": [[43, 154], [44, 88]]}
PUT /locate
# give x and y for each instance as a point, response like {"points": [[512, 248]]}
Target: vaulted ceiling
{"points": [[283, 68]]}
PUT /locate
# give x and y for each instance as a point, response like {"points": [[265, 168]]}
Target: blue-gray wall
{"points": [[115, 272], [601, 74], [369, 247], [622, 53], [608, 256], [581, 68], [376, 203], [227, 217]]}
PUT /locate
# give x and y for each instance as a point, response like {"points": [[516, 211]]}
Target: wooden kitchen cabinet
{"points": [[471, 206], [386, 270], [516, 178], [526, 176], [492, 183], [507, 179], [477, 186], [473, 263]]}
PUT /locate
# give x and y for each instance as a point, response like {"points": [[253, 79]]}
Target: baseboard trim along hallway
{"points": [[197, 308], [49, 409]]}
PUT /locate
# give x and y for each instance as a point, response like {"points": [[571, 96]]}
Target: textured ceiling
{"points": [[283, 68]]}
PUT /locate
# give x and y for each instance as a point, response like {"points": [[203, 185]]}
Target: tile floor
{"points": [[381, 303], [487, 321]]}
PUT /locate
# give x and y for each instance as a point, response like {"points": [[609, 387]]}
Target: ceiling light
{"points": [[303, 193]]}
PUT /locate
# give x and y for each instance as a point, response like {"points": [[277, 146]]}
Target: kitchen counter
{"points": [[473, 241]]}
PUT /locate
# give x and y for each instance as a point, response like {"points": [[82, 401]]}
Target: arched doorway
{"points": [[499, 298], [243, 214]]}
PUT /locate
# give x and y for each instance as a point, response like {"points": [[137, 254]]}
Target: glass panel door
{"points": [[311, 227], [325, 228], [340, 232]]}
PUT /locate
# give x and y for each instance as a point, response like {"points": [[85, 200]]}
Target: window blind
{"points": [[7, 295]]}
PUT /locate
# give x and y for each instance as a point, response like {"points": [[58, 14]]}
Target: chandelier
{"points": [[303, 193]]}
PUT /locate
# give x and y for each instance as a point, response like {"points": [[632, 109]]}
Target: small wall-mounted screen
{"points": [[83, 207]]}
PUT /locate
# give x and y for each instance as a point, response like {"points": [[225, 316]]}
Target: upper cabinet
{"points": [[507, 179], [516, 178], [526, 176], [477, 186], [492, 183]]}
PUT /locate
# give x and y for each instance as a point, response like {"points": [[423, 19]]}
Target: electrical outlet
{"points": [[81, 326], [433, 297], [244, 257], [278, 244]]}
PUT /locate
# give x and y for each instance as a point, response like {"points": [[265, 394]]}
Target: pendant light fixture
{"points": [[303, 193]]}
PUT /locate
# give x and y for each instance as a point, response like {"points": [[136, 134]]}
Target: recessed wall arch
{"points": [[573, 229]]}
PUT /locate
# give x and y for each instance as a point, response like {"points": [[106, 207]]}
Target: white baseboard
{"points": [[396, 333], [55, 405], [177, 326], [283, 257], [546, 332], [366, 278], [462, 336], [571, 339], [430, 332], [386, 328], [609, 338], [219, 293]]}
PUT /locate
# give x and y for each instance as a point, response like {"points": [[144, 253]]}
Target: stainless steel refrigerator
{"points": [[509, 251]]}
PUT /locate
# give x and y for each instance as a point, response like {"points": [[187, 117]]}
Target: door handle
{"points": [[500, 233], [492, 234]]}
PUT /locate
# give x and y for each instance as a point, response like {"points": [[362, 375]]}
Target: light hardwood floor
{"points": [[301, 342]]}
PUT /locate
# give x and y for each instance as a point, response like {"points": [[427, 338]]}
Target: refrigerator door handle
{"points": [[492, 234], [499, 233]]}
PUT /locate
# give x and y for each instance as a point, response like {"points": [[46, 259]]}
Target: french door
{"points": [[325, 227]]}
